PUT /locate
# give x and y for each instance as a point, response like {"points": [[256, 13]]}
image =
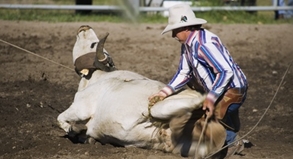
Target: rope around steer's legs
{"points": [[152, 102], [156, 99]]}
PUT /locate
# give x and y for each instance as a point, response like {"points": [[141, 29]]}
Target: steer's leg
{"points": [[64, 119], [73, 114]]}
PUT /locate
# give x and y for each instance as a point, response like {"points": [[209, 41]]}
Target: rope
{"points": [[27, 51], [260, 117], [200, 138], [152, 102]]}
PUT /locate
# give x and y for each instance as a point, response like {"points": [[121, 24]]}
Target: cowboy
{"points": [[207, 66]]}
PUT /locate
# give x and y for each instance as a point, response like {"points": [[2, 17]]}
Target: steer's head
{"points": [[89, 53]]}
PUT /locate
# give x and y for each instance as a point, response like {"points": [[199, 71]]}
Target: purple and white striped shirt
{"points": [[204, 56]]}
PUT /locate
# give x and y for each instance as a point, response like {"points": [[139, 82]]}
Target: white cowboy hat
{"points": [[181, 15]]}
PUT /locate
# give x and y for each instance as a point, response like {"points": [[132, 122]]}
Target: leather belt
{"points": [[238, 90], [232, 95]]}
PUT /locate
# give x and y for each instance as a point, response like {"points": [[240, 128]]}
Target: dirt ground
{"points": [[35, 90]]}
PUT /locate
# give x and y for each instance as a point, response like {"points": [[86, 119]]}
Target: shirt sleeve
{"points": [[214, 56], [181, 77]]}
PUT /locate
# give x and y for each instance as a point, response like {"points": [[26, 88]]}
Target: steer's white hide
{"points": [[117, 105]]}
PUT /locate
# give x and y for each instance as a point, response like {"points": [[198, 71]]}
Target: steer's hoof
{"points": [[72, 134], [90, 140]]}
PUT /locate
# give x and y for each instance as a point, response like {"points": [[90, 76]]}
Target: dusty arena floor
{"points": [[35, 90]]}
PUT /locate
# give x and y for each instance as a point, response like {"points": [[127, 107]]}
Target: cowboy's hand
{"points": [[157, 97], [209, 107]]}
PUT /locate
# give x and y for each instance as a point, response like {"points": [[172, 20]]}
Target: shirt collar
{"points": [[191, 37]]}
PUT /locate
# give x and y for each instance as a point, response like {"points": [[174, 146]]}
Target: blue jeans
{"points": [[232, 120]]}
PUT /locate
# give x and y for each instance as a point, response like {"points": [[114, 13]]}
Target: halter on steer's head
{"points": [[86, 58]]}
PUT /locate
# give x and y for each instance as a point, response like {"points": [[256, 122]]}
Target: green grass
{"points": [[225, 17], [57, 16], [242, 17]]}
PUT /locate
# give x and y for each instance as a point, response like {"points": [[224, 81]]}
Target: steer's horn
{"points": [[103, 61], [100, 49]]}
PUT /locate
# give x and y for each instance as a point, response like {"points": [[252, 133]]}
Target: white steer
{"points": [[115, 103]]}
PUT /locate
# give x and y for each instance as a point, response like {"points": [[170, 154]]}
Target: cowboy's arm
{"points": [[221, 68]]}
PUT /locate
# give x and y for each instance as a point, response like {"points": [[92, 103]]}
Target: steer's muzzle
{"points": [[83, 28]]}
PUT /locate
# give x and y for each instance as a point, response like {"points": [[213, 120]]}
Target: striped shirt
{"points": [[204, 56]]}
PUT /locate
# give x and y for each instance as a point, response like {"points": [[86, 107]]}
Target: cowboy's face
{"points": [[180, 34]]}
